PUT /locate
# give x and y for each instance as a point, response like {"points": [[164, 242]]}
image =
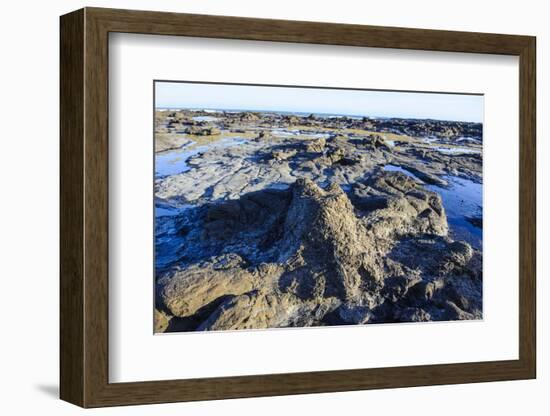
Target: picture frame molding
{"points": [[84, 216]]}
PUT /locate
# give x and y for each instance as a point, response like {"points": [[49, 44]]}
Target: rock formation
{"points": [[314, 256]]}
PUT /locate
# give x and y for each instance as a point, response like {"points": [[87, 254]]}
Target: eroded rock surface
{"points": [[312, 222]]}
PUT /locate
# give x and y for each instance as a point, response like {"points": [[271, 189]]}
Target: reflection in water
{"points": [[393, 168], [205, 118], [462, 200], [456, 150], [175, 161]]}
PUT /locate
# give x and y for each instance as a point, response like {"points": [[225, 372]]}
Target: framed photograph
{"points": [[256, 207]]}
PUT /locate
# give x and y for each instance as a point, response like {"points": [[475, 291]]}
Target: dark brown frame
{"points": [[84, 208]]}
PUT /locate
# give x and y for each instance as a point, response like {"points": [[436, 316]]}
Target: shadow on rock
{"points": [[308, 256]]}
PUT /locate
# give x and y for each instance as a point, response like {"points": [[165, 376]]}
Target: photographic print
{"points": [[289, 206]]}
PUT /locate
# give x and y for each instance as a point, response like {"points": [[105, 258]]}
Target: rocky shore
{"points": [[267, 220]]}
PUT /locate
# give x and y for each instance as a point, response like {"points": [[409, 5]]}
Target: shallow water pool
{"points": [[394, 168], [462, 199], [205, 118], [455, 150]]}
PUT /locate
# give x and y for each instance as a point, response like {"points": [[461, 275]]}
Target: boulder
{"points": [[186, 291]]}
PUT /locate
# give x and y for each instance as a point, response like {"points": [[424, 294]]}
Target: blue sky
{"points": [[458, 107]]}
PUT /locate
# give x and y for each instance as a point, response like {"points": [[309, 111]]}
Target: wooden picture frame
{"points": [[84, 207]]}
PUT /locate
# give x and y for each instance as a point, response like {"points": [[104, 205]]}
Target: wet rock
{"points": [[426, 176], [392, 183]]}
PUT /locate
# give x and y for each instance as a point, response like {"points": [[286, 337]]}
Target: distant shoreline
{"points": [[302, 114]]}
